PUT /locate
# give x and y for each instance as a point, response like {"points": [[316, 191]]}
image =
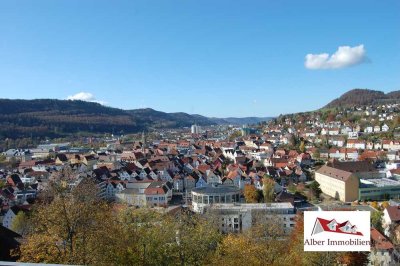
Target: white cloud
{"points": [[345, 56], [84, 96]]}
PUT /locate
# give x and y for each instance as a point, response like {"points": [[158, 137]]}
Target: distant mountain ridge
{"points": [[55, 118], [364, 97], [240, 121]]}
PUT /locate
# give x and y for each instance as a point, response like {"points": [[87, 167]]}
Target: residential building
{"points": [[382, 250], [12, 213], [203, 197], [195, 129], [239, 217], [339, 184], [355, 144], [391, 219]]}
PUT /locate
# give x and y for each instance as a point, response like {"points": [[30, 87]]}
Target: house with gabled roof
{"points": [[391, 219], [12, 213], [158, 194], [337, 183], [61, 159], [190, 182], [178, 183], [382, 250]]}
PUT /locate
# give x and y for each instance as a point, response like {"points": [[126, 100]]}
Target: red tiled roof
{"points": [[379, 241], [154, 191], [394, 213], [334, 173]]}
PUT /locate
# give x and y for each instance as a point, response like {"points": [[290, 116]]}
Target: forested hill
{"points": [[45, 117], [357, 97], [57, 118]]}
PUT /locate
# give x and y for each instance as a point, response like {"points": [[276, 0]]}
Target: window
{"points": [[216, 198], [204, 200], [223, 199]]}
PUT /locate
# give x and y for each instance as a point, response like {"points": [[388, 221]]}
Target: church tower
{"points": [[143, 142]]}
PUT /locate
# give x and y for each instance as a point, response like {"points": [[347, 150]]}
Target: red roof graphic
{"points": [[322, 225]]}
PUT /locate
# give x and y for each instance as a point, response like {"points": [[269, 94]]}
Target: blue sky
{"points": [[216, 58]]}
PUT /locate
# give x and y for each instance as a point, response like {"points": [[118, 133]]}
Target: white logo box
{"points": [[337, 231]]}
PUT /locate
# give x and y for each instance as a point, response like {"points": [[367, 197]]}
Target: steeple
{"points": [[143, 141]]}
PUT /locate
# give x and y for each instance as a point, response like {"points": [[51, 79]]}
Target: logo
{"points": [[322, 225], [337, 231]]}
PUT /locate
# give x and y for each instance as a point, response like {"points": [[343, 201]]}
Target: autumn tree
{"points": [[385, 204], [266, 227], [261, 244], [197, 237], [291, 187], [143, 238], [316, 154], [268, 189], [300, 188], [147, 237], [374, 205], [2, 184], [236, 134], [73, 228], [239, 250], [302, 146], [250, 194], [21, 223], [353, 258], [376, 220]]}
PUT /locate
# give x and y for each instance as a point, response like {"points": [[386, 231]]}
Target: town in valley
{"points": [[245, 181]]}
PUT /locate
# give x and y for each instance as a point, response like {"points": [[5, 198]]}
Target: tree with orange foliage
{"points": [[353, 258], [385, 204], [268, 189], [250, 194], [239, 250]]}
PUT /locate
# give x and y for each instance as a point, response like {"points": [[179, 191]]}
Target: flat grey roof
{"points": [[253, 206], [221, 189], [381, 182]]}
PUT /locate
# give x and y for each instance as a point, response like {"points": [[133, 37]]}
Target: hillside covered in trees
{"points": [[58, 118], [53, 118], [357, 97]]}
